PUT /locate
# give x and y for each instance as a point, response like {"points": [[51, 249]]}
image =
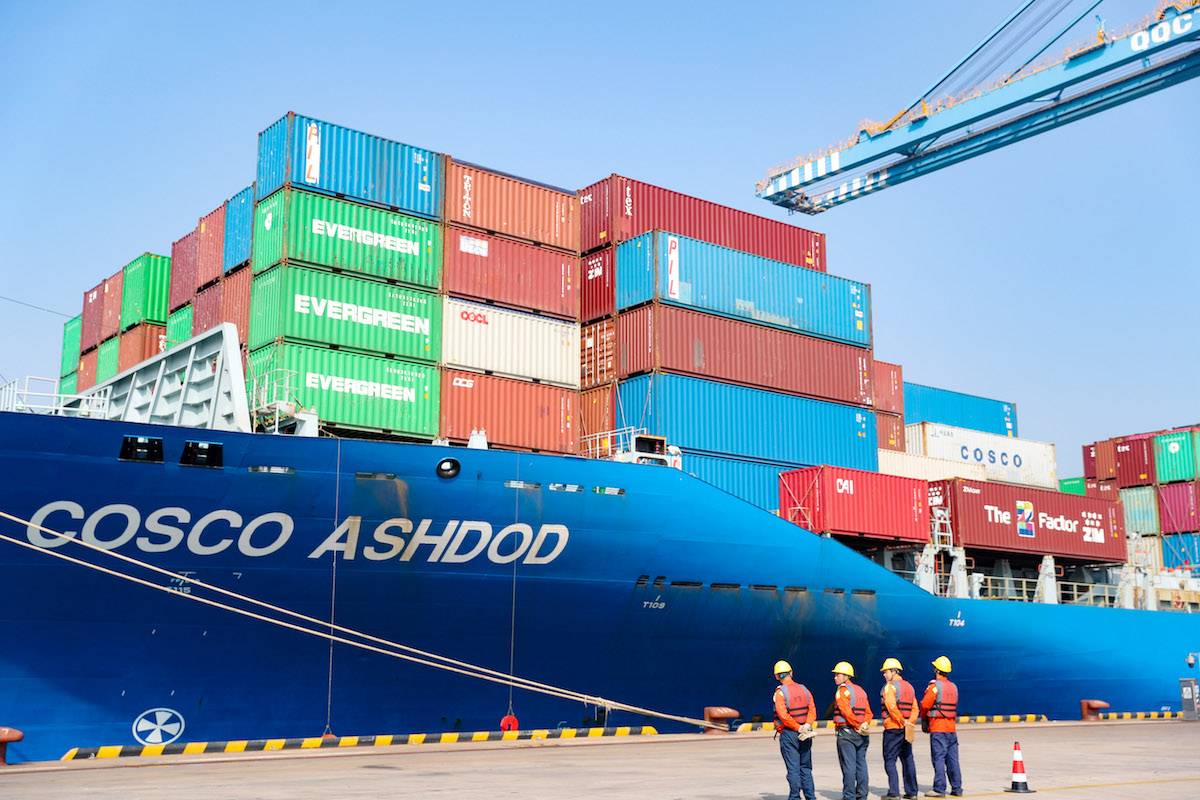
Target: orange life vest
{"points": [[796, 703], [946, 704], [906, 698], [858, 704]]}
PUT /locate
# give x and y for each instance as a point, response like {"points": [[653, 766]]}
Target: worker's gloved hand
{"points": [[806, 732], [865, 728], [806, 728]]}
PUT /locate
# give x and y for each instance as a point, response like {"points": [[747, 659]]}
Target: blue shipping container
{"points": [[239, 227], [931, 404], [1140, 507], [1179, 549], [689, 272], [322, 157], [725, 419], [756, 482]]}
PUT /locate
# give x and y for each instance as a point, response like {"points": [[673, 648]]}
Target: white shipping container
{"points": [[511, 343], [1003, 458], [924, 468]]}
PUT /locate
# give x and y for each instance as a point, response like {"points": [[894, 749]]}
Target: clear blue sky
{"points": [[1059, 273]]}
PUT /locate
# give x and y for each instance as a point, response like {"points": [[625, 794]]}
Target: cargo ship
{"points": [[575, 438]]}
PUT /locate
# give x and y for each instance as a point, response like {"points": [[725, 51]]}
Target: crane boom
{"points": [[1092, 79]]}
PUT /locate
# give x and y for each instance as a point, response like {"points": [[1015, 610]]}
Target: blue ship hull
{"points": [[668, 594]]}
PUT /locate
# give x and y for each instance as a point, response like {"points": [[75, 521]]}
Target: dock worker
{"points": [[852, 718], [900, 717], [940, 707], [795, 713]]}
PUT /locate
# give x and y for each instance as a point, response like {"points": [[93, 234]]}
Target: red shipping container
{"points": [[891, 431], [1179, 507], [1106, 460], [85, 376], [110, 314], [1089, 461], [855, 503], [484, 267], [1135, 461], [140, 343], [91, 318], [206, 309], [616, 209], [235, 300], [887, 387], [511, 206], [183, 271], [599, 287], [658, 337], [598, 354], [598, 410], [1020, 519], [547, 421], [210, 246]]}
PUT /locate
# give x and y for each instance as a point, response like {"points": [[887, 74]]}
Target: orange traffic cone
{"points": [[1020, 784]]}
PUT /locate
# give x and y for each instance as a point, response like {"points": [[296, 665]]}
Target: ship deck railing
{"points": [[37, 395]]}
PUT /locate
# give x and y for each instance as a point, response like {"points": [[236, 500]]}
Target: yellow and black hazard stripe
{"points": [[326, 742], [1141, 715]]}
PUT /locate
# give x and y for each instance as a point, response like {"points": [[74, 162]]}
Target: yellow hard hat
{"points": [[781, 667], [892, 663], [844, 668], [942, 664]]}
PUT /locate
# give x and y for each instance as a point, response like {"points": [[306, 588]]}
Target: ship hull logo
{"points": [[158, 726]]}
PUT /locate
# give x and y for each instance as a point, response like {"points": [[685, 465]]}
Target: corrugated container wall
{"points": [[1140, 506], [510, 343], [666, 338], [1181, 551], [931, 404], [321, 231], [1175, 456], [107, 359], [1089, 461], [1072, 485], [140, 343], [598, 410], [616, 209], [206, 309], [1179, 507], [323, 157], [179, 326], [308, 305], [484, 267], [689, 272], [68, 384], [69, 360], [90, 319], [144, 293], [756, 482], [1135, 462], [239, 228], [997, 516], [85, 377], [887, 384], [210, 247], [521, 414], [891, 431], [599, 296], [855, 503], [110, 315], [906, 465], [1107, 490], [355, 390], [510, 206], [724, 419], [235, 301], [183, 271], [1106, 460], [1003, 458]]}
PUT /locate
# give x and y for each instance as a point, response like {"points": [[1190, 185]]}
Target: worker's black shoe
{"points": [[957, 794], [890, 796], [910, 797]]}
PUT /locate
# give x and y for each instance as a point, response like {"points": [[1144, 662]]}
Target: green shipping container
{"points": [[106, 359], [311, 305], [356, 390], [144, 291], [1072, 485], [1175, 456], [179, 326], [70, 345], [1140, 505], [318, 230], [68, 383]]}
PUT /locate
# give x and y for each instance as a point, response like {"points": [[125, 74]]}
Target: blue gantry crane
{"points": [[1036, 97]]}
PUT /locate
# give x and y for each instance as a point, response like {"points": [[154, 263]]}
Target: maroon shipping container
{"points": [[658, 337], [617, 208], [85, 376], [110, 314], [1089, 461], [91, 318], [140, 343], [598, 354], [599, 286], [891, 431], [183, 271], [1106, 460], [887, 386], [1135, 461], [547, 421], [206, 309], [235, 300], [484, 267], [855, 503], [511, 206], [1020, 519], [1179, 507], [210, 246], [598, 410]]}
